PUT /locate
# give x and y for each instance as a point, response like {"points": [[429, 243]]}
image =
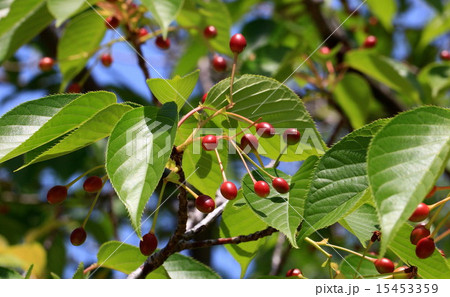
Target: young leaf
{"points": [[26, 18], [63, 121], [28, 274], [138, 150], [257, 96], [94, 129], [79, 273], [78, 43], [6, 273], [164, 12], [63, 9], [177, 89], [405, 159], [340, 180], [432, 267], [20, 123], [239, 219], [280, 211]]}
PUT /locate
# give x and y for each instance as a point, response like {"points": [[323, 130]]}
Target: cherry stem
{"points": [[442, 188], [434, 217], [442, 235], [244, 119], [277, 161], [220, 165], [83, 175], [253, 162], [346, 250], [443, 201], [259, 159], [155, 216], [93, 204], [195, 110], [233, 71], [330, 67], [246, 128], [361, 259], [243, 161], [187, 189], [318, 247], [439, 226]]}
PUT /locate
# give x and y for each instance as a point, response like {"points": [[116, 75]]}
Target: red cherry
{"points": [[57, 194], [162, 43], [209, 142], [204, 97], [74, 88], [421, 213], [370, 42], [419, 232], [106, 60], [210, 32], [325, 50], [265, 130], [425, 247], [78, 236], [237, 43], [293, 272], [291, 136], [228, 190], [148, 244], [112, 22], [431, 193], [384, 265], [445, 55], [93, 184], [219, 63], [281, 185], [205, 204], [249, 143], [142, 32], [262, 189], [46, 64]]}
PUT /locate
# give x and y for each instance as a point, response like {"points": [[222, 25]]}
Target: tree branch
{"points": [[202, 225]]}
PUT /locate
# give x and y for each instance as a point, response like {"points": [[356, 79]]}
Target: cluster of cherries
{"points": [[58, 194]]}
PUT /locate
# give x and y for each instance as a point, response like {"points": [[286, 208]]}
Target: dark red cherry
{"points": [[249, 143], [421, 213], [93, 184], [281, 185], [370, 42], [219, 63], [78, 236], [425, 247], [262, 189], [445, 55], [162, 43], [205, 204], [265, 130], [210, 32], [209, 142], [419, 232], [112, 22], [293, 272], [148, 244], [291, 136], [46, 64], [228, 190], [106, 59], [57, 194], [384, 265], [74, 88], [237, 43]]}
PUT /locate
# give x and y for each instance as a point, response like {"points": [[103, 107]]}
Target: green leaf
{"points": [[4, 7], [28, 274], [138, 150], [339, 181], [202, 168], [24, 129], [164, 12], [79, 41], [175, 90], [127, 258], [54, 275], [6, 273], [26, 18], [383, 70], [384, 10], [79, 273], [353, 95], [257, 96], [280, 211], [438, 25], [405, 159], [239, 219], [432, 267], [64, 9], [435, 75], [349, 264], [362, 222], [91, 131]]}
